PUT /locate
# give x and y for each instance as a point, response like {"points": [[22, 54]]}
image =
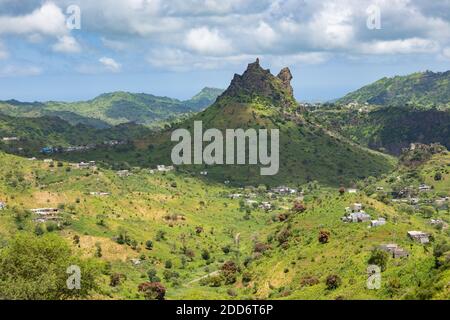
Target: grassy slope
{"points": [[139, 203]]}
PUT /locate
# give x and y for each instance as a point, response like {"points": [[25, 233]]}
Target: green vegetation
{"points": [[426, 89], [115, 108]]}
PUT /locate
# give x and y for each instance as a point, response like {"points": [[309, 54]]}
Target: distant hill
{"points": [[419, 89], [115, 108], [257, 99], [36, 133]]}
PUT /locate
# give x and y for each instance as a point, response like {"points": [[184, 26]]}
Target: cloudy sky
{"points": [[176, 47]]}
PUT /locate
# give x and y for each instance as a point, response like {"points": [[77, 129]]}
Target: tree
{"points": [[35, 268], [342, 191], [229, 270], [149, 245], [438, 176], [205, 255], [152, 290], [379, 258]]}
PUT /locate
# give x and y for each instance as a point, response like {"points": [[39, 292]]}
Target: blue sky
{"points": [[177, 47]]}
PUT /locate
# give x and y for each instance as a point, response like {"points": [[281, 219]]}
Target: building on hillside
{"points": [[352, 190], [419, 236], [378, 223], [48, 150], [101, 194], [45, 211], [283, 190], [86, 165], [123, 173], [8, 139], [163, 168], [395, 250], [356, 217], [48, 160], [424, 188], [235, 196], [46, 214], [267, 206]]}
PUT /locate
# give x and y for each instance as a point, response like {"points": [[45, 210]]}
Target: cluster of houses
{"points": [[284, 191], [81, 148], [46, 214]]}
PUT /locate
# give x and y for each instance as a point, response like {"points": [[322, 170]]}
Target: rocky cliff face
{"points": [[259, 82]]}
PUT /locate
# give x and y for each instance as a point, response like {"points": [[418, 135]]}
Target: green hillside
{"points": [[190, 237], [389, 129], [36, 133], [421, 89], [115, 108], [308, 152]]}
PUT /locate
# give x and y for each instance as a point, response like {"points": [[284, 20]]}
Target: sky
{"points": [[70, 50]]}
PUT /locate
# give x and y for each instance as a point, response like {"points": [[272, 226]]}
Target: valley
{"points": [[363, 193]]}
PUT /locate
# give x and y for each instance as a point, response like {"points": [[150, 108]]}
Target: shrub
{"points": [[205, 254], [168, 264], [333, 282], [229, 270], [149, 245], [299, 207], [116, 279], [152, 290], [324, 237], [309, 281]]}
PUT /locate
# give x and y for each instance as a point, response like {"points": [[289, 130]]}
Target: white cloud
{"points": [[67, 44], [110, 64], [406, 46], [19, 71], [47, 20], [209, 42]]}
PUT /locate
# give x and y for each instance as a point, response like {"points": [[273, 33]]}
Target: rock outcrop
{"points": [[259, 82]]}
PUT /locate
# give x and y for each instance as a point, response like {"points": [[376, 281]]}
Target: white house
{"points": [[265, 206], [395, 250], [424, 188], [163, 168], [378, 223], [419, 236]]}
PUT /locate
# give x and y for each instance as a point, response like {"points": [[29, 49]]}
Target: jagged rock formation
{"points": [[259, 82]]}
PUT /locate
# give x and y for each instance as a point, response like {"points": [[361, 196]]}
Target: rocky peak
{"points": [[256, 81], [285, 76]]}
